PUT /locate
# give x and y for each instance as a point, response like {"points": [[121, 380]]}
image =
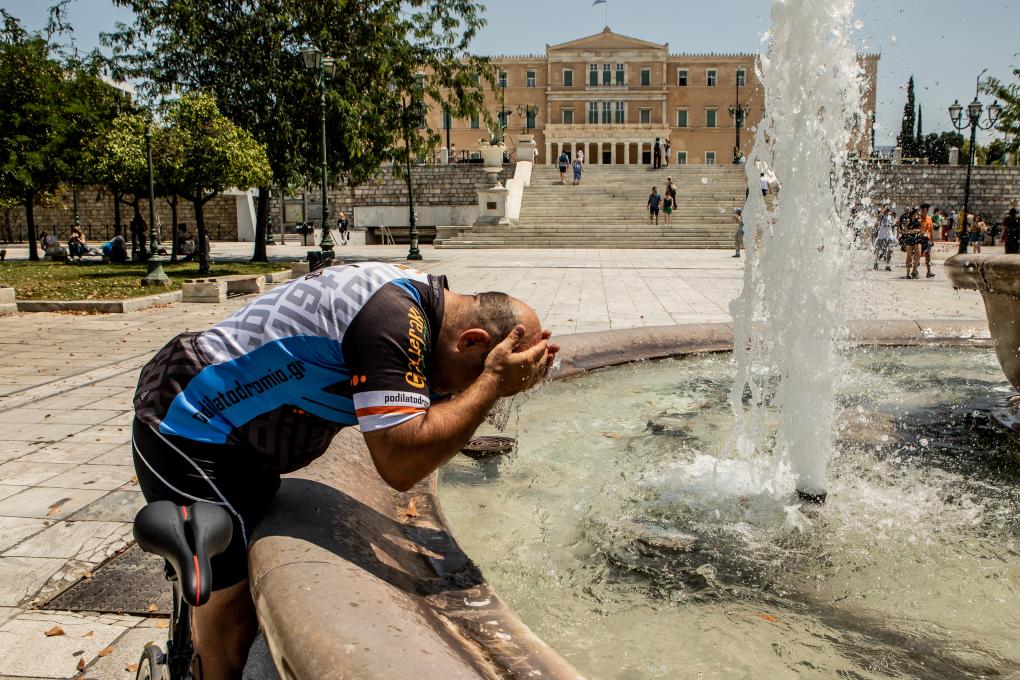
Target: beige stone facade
{"points": [[612, 95]]}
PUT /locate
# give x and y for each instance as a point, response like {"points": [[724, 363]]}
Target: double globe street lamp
{"points": [[973, 121], [314, 60]]}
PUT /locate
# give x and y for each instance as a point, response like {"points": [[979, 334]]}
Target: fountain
{"points": [[651, 529]]}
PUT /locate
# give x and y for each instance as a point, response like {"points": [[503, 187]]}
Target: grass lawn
{"points": [[59, 281]]}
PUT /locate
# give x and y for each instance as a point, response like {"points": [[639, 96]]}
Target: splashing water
{"points": [[790, 319]]}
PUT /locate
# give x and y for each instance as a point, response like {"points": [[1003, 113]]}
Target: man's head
{"points": [[472, 326]]}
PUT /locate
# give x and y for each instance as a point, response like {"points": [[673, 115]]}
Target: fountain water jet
{"points": [[790, 319]]}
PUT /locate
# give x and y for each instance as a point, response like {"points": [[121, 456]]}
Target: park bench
{"points": [[217, 288]]}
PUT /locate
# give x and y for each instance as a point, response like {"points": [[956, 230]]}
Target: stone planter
{"points": [[492, 155], [997, 278], [7, 303]]}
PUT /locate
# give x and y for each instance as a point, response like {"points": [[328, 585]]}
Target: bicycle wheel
{"points": [[151, 666]]}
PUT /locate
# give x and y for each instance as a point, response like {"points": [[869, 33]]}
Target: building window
{"points": [[681, 77], [568, 78], [646, 76], [711, 77], [710, 115], [621, 113], [503, 117], [531, 78], [619, 74], [607, 113], [593, 75], [568, 116], [474, 122], [738, 119], [645, 116], [447, 120], [681, 158], [741, 77], [503, 78], [681, 118], [710, 158], [607, 74], [530, 117], [593, 113]]}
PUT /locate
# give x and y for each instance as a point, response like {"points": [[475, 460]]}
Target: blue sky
{"points": [[943, 44]]}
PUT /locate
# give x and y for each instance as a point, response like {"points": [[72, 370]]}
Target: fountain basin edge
{"points": [[997, 278], [354, 580]]}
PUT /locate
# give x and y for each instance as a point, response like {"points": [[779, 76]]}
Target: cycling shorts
{"points": [[183, 471]]}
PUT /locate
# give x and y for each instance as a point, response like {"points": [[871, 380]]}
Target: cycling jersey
{"points": [[341, 346]]}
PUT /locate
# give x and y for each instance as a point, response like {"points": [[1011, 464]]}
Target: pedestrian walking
{"points": [[938, 220], [885, 237], [453, 152], [657, 154], [654, 200], [579, 156], [578, 167], [927, 239], [951, 224], [665, 147], [563, 162], [763, 183], [1011, 233], [671, 191], [738, 234], [344, 227], [910, 240], [667, 208]]}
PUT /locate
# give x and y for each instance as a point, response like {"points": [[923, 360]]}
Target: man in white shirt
{"points": [[764, 184]]}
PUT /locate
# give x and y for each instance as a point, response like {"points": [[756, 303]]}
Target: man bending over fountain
{"points": [[221, 414]]}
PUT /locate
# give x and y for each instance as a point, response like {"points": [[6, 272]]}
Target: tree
{"points": [[1009, 121], [919, 138], [208, 44], [33, 129], [905, 140], [211, 155], [936, 146]]}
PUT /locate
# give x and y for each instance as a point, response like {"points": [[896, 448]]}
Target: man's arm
{"points": [[407, 453]]}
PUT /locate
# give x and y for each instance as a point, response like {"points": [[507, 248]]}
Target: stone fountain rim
{"points": [[440, 600]]}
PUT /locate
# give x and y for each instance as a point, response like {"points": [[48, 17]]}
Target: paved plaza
{"points": [[67, 490]]}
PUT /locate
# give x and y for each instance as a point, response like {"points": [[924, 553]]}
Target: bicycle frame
{"points": [[180, 653]]}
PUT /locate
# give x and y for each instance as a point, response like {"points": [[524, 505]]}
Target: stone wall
{"points": [[993, 189], [434, 185], [95, 211]]}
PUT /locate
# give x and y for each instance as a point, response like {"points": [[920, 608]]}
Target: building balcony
{"points": [[610, 87]]}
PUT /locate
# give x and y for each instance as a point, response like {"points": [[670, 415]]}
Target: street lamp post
{"points": [[739, 113], [155, 276], [974, 110], [326, 66], [413, 252]]}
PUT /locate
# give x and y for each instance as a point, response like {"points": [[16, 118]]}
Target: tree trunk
{"points": [[261, 224], [173, 228], [118, 229], [203, 239], [138, 234], [33, 252]]}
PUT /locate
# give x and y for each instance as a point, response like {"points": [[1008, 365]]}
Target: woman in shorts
{"points": [[910, 239], [977, 232]]}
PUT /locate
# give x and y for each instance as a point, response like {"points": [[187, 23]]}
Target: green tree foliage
{"points": [[906, 139], [210, 154], [1009, 99], [51, 103], [935, 147], [116, 156], [247, 56]]}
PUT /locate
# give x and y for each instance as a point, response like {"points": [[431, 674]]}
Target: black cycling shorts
{"points": [[183, 471]]}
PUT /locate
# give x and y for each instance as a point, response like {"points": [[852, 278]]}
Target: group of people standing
{"points": [[665, 201], [915, 230], [658, 148]]}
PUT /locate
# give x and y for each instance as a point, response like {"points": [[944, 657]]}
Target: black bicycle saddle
{"points": [[186, 536]]}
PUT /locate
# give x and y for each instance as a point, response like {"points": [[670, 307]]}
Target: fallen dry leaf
{"points": [[134, 479], [131, 667], [611, 435], [54, 631], [87, 574], [81, 664], [89, 634], [152, 608], [106, 651], [162, 623], [55, 508], [768, 617], [411, 511]]}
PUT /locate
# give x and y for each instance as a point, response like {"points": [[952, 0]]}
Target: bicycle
{"points": [[186, 537]]}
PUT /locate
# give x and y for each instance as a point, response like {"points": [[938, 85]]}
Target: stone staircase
{"points": [[608, 210]]}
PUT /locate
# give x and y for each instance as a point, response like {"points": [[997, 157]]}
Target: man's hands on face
{"points": [[516, 371]]}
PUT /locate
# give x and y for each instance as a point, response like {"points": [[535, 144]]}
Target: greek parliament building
{"points": [[612, 95]]}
